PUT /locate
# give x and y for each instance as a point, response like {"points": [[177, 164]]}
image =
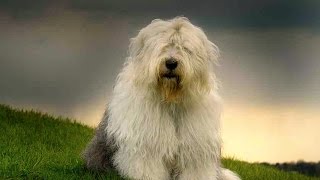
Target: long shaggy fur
{"points": [[163, 123]]}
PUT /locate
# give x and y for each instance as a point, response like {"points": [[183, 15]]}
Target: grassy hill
{"points": [[38, 146]]}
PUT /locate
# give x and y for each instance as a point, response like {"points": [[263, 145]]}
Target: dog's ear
{"points": [[213, 52], [136, 45]]}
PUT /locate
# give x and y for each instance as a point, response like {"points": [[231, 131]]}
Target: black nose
{"points": [[171, 64]]}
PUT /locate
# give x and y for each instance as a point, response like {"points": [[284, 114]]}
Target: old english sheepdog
{"points": [[162, 122]]}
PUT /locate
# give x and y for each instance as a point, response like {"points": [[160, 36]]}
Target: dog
{"points": [[163, 118]]}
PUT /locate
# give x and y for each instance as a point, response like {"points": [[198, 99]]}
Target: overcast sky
{"points": [[262, 13]]}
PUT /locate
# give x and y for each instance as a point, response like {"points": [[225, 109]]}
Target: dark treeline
{"points": [[307, 168]]}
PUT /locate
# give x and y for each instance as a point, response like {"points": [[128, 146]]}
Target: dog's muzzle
{"points": [[171, 64], [169, 69]]}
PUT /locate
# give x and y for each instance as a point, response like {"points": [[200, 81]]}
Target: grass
{"points": [[39, 146]]}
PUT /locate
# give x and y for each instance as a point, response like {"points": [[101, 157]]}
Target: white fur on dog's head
{"points": [[178, 39]]}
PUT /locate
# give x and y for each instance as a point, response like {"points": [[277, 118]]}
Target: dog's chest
{"points": [[195, 137], [175, 143]]}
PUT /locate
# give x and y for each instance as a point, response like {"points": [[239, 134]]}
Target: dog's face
{"points": [[173, 56]]}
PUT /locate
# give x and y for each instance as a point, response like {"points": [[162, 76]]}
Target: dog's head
{"points": [[173, 56]]}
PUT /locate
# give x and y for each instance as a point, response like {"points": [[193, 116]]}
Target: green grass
{"points": [[38, 146]]}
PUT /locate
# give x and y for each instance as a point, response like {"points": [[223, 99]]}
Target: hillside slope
{"points": [[39, 146]]}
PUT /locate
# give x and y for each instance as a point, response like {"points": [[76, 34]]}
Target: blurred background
{"points": [[62, 57]]}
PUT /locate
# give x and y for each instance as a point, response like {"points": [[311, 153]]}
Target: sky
{"points": [[62, 57]]}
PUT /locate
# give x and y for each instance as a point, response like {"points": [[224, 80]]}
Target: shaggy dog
{"points": [[163, 119]]}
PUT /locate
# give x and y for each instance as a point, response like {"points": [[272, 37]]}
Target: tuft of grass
{"points": [[39, 146]]}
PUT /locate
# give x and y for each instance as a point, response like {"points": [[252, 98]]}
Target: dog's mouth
{"points": [[170, 76]]}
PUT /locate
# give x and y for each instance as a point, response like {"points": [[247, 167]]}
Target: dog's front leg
{"points": [[200, 173], [138, 166]]}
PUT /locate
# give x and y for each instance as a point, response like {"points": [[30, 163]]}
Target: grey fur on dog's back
{"points": [[99, 152]]}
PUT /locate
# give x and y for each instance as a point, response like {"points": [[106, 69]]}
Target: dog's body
{"points": [[163, 120]]}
